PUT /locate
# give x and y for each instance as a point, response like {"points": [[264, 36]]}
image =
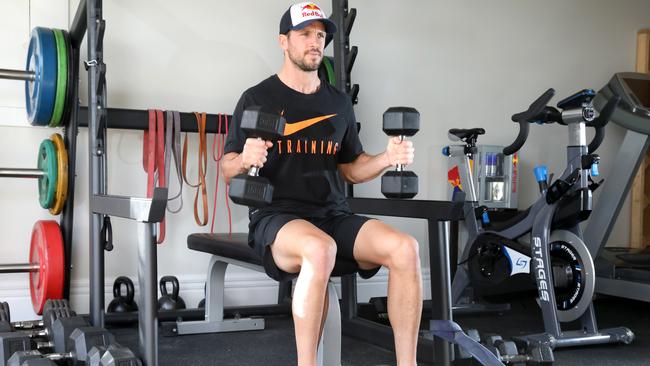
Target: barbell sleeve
{"points": [[17, 75], [19, 268], [21, 173]]}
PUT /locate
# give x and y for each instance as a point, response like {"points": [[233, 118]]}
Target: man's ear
{"points": [[282, 41]]}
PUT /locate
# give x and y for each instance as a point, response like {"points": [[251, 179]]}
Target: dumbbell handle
{"points": [[400, 167], [17, 75], [48, 344], [21, 173], [253, 171], [29, 324], [59, 356]]}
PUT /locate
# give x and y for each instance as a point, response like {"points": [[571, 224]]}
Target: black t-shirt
{"points": [[320, 133]]}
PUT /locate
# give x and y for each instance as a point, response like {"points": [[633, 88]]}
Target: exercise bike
{"points": [[541, 250]]}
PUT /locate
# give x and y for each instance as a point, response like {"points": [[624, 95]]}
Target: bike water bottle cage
{"points": [[588, 161], [481, 214], [560, 187]]}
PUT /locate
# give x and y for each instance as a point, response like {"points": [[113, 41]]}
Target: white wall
{"points": [[461, 64]]}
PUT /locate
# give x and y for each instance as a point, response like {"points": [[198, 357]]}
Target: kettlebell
{"points": [[170, 301], [126, 303]]}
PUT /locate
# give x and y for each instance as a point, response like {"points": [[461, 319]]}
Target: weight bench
{"points": [[233, 249]]}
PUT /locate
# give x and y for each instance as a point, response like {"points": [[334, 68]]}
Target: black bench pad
{"points": [[236, 247], [233, 246]]}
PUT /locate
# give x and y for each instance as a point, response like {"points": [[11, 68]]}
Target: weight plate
{"points": [[329, 70], [61, 192], [61, 78], [42, 61], [46, 251], [69, 85], [47, 182]]}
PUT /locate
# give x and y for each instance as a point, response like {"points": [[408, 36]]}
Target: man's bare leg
{"points": [[301, 247], [379, 244]]}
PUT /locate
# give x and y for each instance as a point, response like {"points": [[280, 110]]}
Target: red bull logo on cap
{"points": [[311, 6], [311, 10], [305, 11]]}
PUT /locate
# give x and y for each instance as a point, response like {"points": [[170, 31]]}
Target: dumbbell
{"points": [[90, 346], [126, 303], [251, 189], [170, 301], [58, 335], [52, 310], [402, 122]]}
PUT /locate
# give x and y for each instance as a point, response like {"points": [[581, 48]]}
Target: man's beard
{"points": [[303, 65]]}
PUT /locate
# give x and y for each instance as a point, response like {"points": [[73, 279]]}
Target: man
{"points": [[309, 224]]}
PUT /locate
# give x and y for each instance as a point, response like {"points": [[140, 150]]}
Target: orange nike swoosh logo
{"points": [[290, 129]]}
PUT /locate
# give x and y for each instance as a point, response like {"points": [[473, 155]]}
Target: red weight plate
{"points": [[46, 251]]}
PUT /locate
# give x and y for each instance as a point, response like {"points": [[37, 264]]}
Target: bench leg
{"points": [[214, 321], [329, 348]]}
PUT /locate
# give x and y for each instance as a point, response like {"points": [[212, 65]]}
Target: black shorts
{"points": [[343, 228]]}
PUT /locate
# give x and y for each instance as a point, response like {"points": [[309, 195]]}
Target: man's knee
{"points": [[405, 253], [320, 253]]}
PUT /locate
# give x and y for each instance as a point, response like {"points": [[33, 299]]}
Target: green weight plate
{"points": [[61, 78], [329, 70], [47, 183], [67, 104]]}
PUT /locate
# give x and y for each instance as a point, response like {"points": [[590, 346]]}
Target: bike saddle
{"points": [[464, 134]]}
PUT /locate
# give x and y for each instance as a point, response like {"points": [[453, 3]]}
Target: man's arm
{"points": [[253, 154], [366, 167]]}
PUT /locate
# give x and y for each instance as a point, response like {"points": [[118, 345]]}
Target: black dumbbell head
{"points": [[85, 338], [11, 342], [401, 121], [28, 358], [250, 190], [61, 330], [399, 184], [259, 122], [116, 355]]}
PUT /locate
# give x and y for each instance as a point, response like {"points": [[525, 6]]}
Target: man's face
{"points": [[305, 46]]}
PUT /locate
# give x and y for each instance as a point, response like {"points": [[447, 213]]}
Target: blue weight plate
{"points": [[42, 60]]}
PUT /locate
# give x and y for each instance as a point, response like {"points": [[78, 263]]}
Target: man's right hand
{"points": [[254, 153]]}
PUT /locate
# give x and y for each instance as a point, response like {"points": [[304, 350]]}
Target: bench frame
{"points": [[329, 349]]}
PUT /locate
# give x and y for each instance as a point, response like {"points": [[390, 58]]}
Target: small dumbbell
{"points": [[52, 310], [100, 354], [251, 189], [402, 122]]}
